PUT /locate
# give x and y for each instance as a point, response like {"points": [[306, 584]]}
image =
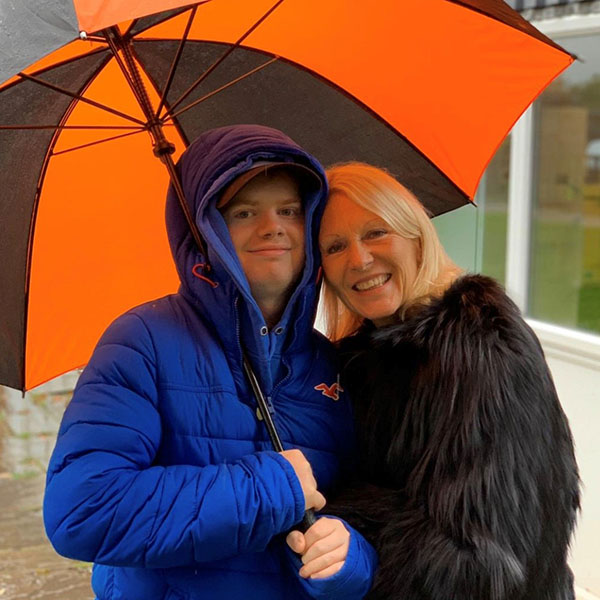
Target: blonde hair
{"points": [[377, 191]]}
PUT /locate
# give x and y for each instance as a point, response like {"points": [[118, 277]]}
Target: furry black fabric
{"points": [[468, 485]]}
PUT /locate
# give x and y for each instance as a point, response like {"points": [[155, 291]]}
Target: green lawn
{"points": [[589, 308], [565, 270]]}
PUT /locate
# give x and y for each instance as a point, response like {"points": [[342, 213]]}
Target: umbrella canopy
{"points": [[425, 88]]}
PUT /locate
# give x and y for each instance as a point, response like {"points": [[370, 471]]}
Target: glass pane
{"points": [[492, 199], [565, 251]]}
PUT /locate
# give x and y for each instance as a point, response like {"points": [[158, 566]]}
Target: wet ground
{"points": [[29, 567]]}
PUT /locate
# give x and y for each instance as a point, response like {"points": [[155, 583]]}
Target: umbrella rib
{"points": [[210, 69], [124, 70], [523, 27], [177, 13], [220, 89], [59, 63], [57, 127], [162, 147], [88, 145], [175, 62], [95, 38], [81, 98]]}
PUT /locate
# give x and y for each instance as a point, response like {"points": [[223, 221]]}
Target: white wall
{"points": [[574, 359]]}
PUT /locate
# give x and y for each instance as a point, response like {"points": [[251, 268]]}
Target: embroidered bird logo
{"points": [[330, 391]]}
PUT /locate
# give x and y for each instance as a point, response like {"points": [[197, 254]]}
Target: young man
{"points": [[163, 474]]}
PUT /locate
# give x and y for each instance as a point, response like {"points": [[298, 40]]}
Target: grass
{"points": [[25, 475], [589, 308], [564, 270], [493, 261]]}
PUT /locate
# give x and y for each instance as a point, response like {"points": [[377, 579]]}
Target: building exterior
{"points": [[537, 229]]}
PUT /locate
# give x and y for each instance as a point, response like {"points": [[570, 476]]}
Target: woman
{"points": [[468, 482]]}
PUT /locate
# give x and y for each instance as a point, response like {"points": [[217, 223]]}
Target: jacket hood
{"points": [[206, 168]]}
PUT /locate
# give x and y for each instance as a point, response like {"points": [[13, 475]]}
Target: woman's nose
{"points": [[359, 257]]}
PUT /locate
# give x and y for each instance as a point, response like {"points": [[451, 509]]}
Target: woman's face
{"points": [[365, 261]]}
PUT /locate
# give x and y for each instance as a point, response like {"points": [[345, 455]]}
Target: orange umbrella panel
{"points": [[425, 88]]}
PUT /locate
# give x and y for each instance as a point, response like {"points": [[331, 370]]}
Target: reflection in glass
{"points": [[565, 244], [492, 199]]}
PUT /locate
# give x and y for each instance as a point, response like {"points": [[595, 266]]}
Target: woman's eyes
{"points": [[372, 234], [335, 247], [375, 233]]}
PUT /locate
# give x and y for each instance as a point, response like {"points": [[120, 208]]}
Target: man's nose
{"points": [[270, 225], [359, 257]]}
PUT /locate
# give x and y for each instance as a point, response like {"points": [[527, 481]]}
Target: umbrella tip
{"points": [[82, 35]]}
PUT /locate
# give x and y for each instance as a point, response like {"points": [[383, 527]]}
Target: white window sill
{"points": [[568, 344], [575, 24], [582, 594]]}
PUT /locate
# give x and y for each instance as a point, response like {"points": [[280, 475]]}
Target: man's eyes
{"points": [[291, 211], [242, 214], [246, 213]]}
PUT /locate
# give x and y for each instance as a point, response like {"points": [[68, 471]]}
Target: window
{"points": [[564, 261], [492, 199]]}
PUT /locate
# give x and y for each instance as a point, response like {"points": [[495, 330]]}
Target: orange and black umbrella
{"points": [[425, 88]]}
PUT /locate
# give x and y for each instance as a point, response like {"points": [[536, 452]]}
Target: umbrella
{"points": [[425, 88]]}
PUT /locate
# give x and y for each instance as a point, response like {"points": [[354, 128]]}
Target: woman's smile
{"points": [[373, 283]]}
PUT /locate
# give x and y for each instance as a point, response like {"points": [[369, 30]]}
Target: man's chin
{"points": [[274, 287]]}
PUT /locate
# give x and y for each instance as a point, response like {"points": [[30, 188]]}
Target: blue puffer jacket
{"points": [[162, 473]]}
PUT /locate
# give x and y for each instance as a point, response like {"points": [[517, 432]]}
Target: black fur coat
{"points": [[467, 485]]}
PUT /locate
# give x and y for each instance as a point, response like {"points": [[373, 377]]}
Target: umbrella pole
{"points": [[163, 149], [122, 50]]}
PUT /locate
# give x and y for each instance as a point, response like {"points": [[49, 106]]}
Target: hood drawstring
{"points": [[319, 276], [204, 267]]}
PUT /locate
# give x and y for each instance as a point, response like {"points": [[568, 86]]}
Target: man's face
{"points": [[266, 223]]}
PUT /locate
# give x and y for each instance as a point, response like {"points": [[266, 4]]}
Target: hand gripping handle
{"points": [[309, 516]]}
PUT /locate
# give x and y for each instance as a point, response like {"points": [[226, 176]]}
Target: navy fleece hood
{"points": [[206, 168]]}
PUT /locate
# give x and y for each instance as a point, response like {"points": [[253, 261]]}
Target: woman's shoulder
{"points": [[475, 299], [475, 292], [474, 307], [473, 311]]}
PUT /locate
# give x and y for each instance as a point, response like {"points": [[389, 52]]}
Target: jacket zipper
{"points": [[285, 363], [238, 336], [276, 388]]}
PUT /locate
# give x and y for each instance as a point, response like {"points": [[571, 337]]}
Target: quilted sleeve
{"points": [[106, 501]]}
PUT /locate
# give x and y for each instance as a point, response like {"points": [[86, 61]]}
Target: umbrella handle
{"points": [[309, 516], [308, 521]]}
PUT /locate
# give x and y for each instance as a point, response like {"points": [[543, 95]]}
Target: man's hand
{"points": [[312, 497], [323, 548]]}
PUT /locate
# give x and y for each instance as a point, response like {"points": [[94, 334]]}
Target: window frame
{"points": [[566, 343]]}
